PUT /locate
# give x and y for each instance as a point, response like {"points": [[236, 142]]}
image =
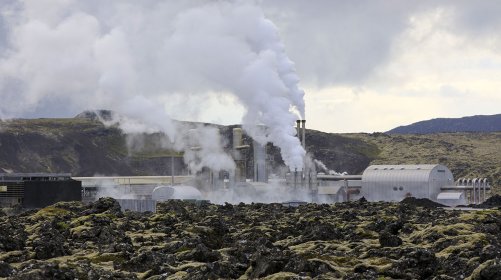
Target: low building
{"points": [[35, 190]]}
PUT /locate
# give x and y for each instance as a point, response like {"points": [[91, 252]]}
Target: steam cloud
{"points": [[135, 57], [319, 164]]}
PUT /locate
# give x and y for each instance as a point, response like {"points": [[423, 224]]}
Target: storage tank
{"points": [[396, 182]]}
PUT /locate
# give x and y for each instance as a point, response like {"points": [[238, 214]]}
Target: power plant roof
{"points": [[34, 177]]}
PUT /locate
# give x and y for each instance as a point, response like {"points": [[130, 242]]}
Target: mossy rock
{"points": [[116, 258], [50, 212]]}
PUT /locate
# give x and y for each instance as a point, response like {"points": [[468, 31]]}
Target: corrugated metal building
{"points": [[396, 182]]}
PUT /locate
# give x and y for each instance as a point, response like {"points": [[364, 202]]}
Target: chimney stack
{"points": [[303, 141]]}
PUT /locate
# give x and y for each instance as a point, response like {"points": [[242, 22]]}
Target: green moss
{"points": [[10, 254], [344, 261], [476, 273], [62, 226], [50, 211], [107, 257], [159, 217], [367, 234], [282, 276], [183, 249], [464, 243], [79, 229], [479, 216]]}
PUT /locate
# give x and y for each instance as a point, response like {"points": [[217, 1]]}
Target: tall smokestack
{"points": [[237, 137], [303, 141], [298, 127]]}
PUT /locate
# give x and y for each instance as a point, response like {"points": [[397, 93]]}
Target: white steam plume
{"points": [[204, 149], [132, 56], [322, 166]]}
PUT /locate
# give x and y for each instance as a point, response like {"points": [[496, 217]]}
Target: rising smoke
{"points": [[136, 57]]}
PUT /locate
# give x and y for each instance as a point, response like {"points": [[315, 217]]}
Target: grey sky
{"points": [[365, 65]]}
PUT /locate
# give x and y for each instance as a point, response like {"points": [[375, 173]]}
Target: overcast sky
{"points": [[365, 66]]}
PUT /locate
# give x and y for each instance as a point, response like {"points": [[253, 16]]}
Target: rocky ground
{"points": [[355, 240]]}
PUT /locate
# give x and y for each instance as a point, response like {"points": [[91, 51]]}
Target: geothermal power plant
{"points": [[295, 187]]}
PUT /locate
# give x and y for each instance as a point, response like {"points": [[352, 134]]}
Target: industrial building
{"points": [[396, 182], [35, 190], [252, 177], [251, 181]]}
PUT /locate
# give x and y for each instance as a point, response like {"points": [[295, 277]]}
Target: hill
{"points": [[490, 123], [85, 147]]}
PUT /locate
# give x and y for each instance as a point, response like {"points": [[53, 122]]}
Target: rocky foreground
{"points": [[355, 240]]}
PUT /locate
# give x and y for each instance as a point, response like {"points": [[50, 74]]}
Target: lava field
{"points": [[182, 240]]}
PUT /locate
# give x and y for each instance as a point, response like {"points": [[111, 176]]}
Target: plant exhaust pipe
{"points": [[303, 141]]}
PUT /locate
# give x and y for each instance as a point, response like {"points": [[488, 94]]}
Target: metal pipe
{"points": [[471, 183], [172, 169], [304, 134], [485, 185]]}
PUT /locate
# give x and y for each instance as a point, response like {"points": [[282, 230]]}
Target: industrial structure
{"points": [[396, 182], [251, 178], [35, 190], [138, 187], [388, 183]]}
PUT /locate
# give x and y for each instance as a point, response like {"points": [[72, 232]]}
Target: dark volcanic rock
{"points": [[491, 202], [489, 270], [387, 239], [268, 261], [12, 234], [5, 269], [187, 241], [105, 204], [49, 242], [417, 264], [423, 202], [151, 260], [36, 271]]}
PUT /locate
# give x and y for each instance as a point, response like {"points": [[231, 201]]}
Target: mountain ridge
{"points": [[477, 123]]}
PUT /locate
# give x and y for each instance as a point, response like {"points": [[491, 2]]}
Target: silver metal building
{"points": [[396, 182]]}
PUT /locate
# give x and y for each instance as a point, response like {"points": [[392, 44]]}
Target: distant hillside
{"points": [[83, 146], [490, 123], [467, 154]]}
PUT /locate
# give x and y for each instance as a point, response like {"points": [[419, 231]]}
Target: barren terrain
{"points": [[355, 240]]}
